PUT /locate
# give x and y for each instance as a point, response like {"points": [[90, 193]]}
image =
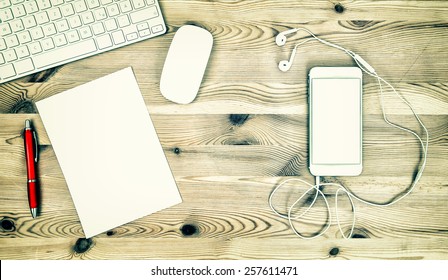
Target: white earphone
{"points": [[284, 66], [280, 40]]}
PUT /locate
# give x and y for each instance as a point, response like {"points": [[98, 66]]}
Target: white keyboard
{"points": [[39, 34]]}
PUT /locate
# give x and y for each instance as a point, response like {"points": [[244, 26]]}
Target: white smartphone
{"points": [[335, 108]]}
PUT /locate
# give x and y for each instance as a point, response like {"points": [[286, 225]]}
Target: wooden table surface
{"points": [[246, 132]]}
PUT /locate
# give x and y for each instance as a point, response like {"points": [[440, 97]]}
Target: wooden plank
{"points": [[317, 10], [245, 98], [245, 129], [386, 159], [222, 248], [251, 39], [237, 207]]}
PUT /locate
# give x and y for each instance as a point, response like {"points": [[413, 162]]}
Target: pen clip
{"points": [[36, 151]]}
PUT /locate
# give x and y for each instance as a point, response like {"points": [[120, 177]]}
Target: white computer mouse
{"points": [[185, 64]]}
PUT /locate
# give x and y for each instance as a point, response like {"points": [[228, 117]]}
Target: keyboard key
{"points": [[80, 6], [144, 32], [49, 29], [42, 18], [104, 41], [4, 4], [150, 2], [67, 10], [47, 44], [131, 36], [37, 33], [17, 25], [118, 37], [100, 14], [31, 7], [60, 40], [24, 37], [85, 32], [24, 66], [110, 24], [10, 55], [22, 52], [144, 14], [87, 17], [2, 60], [142, 26], [5, 29], [2, 44], [12, 41], [43, 4], [105, 2], [125, 6], [112, 10], [16, 1], [6, 15], [35, 48], [57, 2], [123, 21], [157, 28], [72, 36], [138, 4], [98, 28], [7, 71], [62, 25], [60, 55], [74, 22], [18, 11], [54, 14], [29, 22], [93, 3]]}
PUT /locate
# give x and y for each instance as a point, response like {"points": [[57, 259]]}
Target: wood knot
{"points": [[238, 119], [238, 142], [176, 150], [188, 230], [110, 233], [43, 76], [358, 233], [82, 245], [339, 8], [7, 224], [23, 107], [360, 23], [334, 251]]}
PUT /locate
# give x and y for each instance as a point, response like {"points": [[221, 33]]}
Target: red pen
{"points": [[31, 161]]}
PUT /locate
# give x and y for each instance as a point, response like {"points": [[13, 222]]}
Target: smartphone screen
{"points": [[335, 125]]}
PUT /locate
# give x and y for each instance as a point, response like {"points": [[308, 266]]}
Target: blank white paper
{"points": [[109, 152]]}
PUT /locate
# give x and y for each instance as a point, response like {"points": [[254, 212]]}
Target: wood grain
{"points": [[245, 98], [224, 249], [246, 132]]}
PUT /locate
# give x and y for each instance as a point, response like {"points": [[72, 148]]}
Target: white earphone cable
{"points": [[424, 145]]}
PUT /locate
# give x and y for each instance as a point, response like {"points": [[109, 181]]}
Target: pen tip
{"points": [[27, 123], [34, 212]]}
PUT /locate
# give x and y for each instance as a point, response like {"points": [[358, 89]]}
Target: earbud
{"points": [[285, 65], [280, 40]]}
